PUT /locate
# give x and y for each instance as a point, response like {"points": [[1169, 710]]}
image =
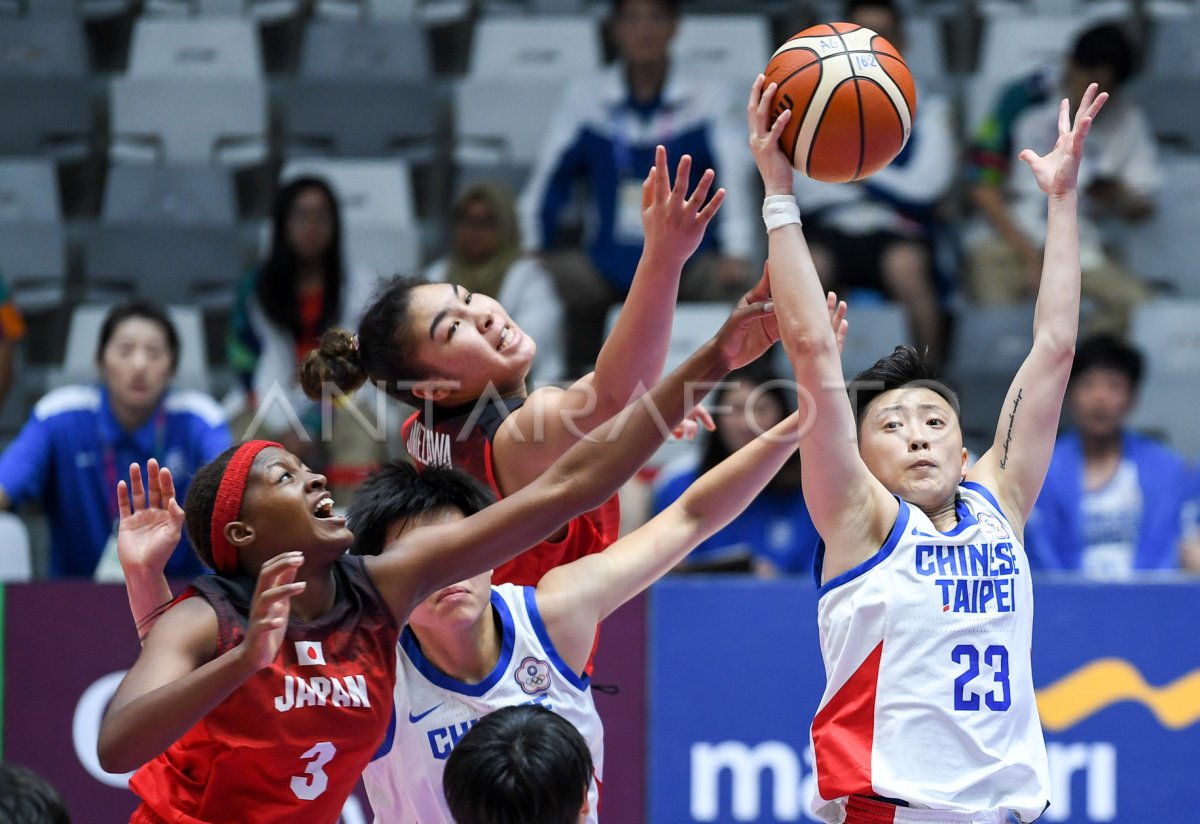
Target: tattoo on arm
{"points": [[1008, 436]]}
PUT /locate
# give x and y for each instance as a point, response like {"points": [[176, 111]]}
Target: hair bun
{"points": [[336, 362]]}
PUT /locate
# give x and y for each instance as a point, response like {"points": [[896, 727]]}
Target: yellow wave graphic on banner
{"points": [[1107, 681]]}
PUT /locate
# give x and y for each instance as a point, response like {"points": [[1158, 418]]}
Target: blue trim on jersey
{"points": [[580, 682], [991, 499], [965, 517], [408, 642], [389, 738], [879, 557]]}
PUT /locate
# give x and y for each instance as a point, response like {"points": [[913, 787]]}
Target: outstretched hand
{"points": [[1057, 172], [772, 163], [150, 525], [271, 606], [674, 223]]}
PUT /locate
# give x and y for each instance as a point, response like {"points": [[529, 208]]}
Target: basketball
{"points": [[852, 100]]}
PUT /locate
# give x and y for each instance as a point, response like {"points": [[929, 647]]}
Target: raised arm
{"points": [[850, 509], [428, 558], [632, 357], [573, 599], [147, 534], [1015, 465]]}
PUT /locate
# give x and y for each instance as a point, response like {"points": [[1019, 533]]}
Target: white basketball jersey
{"points": [[434, 711], [929, 696]]}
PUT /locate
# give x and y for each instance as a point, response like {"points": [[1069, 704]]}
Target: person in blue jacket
{"points": [[774, 535], [80, 440], [1113, 499]]}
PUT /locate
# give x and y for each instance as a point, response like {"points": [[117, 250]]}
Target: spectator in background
{"points": [[774, 534], [1113, 499], [604, 135], [879, 233], [1117, 180], [519, 764], [12, 329], [282, 308], [1189, 540], [27, 798], [80, 440], [486, 258]]}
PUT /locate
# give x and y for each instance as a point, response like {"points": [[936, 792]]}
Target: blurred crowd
{"points": [[368, 154]]}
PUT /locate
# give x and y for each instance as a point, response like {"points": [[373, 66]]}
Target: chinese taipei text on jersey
{"points": [[434, 711], [929, 696]]}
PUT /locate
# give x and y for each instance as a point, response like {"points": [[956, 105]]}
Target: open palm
{"points": [[1057, 172], [150, 525]]}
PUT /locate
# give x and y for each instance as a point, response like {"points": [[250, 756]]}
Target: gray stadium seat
{"points": [[360, 51], [538, 47], [988, 346], [170, 194], [32, 242], [1167, 247], [733, 47], [16, 559], [43, 47], [1168, 334], [45, 97], [169, 263], [194, 93], [79, 363], [363, 90]]}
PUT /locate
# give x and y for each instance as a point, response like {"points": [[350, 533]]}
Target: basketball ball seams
{"points": [[862, 123], [799, 117]]}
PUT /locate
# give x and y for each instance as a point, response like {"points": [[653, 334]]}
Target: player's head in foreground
{"points": [[519, 765]]}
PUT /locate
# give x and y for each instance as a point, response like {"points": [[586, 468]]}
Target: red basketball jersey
{"points": [[292, 741], [461, 438]]}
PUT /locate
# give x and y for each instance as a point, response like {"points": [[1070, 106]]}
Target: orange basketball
{"points": [[852, 100]]}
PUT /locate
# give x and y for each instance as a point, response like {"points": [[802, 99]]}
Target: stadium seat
{"points": [[32, 243], [1172, 75], [1168, 335], [519, 67], [1167, 246], [363, 90], [535, 47], [16, 563], [988, 346], [169, 194], [43, 46], [183, 263], [45, 96], [733, 47], [361, 51], [379, 226], [194, 93], [79, 363]]}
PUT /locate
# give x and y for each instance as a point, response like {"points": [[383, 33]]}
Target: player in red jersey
{"points": [[460, 357], [240, 711]]}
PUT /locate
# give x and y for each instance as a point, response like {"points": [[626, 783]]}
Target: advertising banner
{"points": [[68, 644], [736, 675]]}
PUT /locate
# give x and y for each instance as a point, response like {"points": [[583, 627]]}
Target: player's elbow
{"points": [[1055, 347], [113, 757]]}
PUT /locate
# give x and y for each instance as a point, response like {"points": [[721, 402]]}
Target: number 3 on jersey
{"points": [[995, 656], [314, 781]]}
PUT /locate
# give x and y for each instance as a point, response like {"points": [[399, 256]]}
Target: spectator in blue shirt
{"points": [[775, 534], [80, 440], [1113, 500], [603, 138]]}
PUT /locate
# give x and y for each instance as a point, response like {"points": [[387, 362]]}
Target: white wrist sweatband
{"points": [[780, 210]]}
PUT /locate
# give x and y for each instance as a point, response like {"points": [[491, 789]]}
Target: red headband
{"points": [[229, 502]]}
